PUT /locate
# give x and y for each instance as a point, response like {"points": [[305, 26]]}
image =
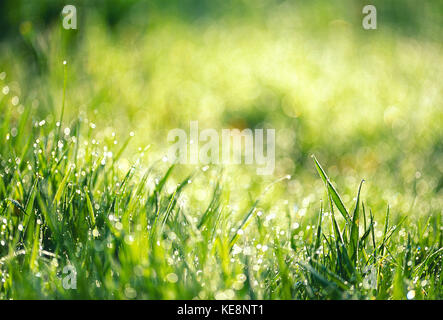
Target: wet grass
{"points": [[64, 203], [83, 183]]}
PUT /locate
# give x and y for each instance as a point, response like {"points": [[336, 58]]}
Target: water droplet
{"points": [[172, 277], [15, 100], [130, 293]]}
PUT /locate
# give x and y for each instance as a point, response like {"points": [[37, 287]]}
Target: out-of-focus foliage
{"points": [[368, 103]]}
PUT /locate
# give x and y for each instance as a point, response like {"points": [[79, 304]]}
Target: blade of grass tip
{"points": [[320, 170], [17, 205], [184, 183], [332, 191], [162, 182], [127, 178], [427, 224], [353, 237]]}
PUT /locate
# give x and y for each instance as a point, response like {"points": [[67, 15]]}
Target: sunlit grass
{"points": [[93, 192]]}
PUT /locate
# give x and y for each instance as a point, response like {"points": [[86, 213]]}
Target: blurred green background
{"points": [[368, 103]]}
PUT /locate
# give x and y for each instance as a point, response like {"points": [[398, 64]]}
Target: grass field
{"points": [[84, 116]]}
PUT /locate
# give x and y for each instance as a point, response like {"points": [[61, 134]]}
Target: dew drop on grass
{"points": [[130, 293], [172, 278], [15, 100], [236, 249]]}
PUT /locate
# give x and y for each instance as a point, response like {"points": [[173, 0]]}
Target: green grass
{"points": [[130, 238], [83, 182]]}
